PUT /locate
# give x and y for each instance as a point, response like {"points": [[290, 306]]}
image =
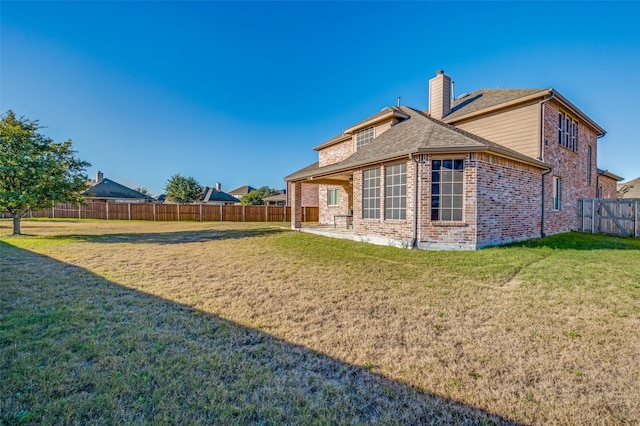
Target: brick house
{"points": [[490, 167]]}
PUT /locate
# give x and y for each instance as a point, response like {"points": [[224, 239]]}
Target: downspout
{"points": [[542, 211], [541, 158], [414, 240]]}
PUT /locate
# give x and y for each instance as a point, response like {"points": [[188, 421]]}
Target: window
{"points": [[395, 193], [588, 165], [333, 197], [567, 132], [446, 190], [371, 194], [363, 137], [557, 191]]}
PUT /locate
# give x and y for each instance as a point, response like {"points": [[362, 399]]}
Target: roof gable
{"points": [[418, 133]]}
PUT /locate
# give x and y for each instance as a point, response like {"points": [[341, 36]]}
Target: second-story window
{"points": [[567, 132], [364, 136]]}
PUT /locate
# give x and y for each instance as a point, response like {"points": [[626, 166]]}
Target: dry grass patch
{"points": [[543, 332]]}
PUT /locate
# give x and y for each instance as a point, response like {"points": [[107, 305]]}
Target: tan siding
{"points": [[517, 129]]}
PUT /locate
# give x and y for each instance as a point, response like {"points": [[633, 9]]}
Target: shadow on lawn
{"points": [[77, 348], [175, 237]]}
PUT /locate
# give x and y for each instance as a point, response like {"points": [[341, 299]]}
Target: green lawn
{"points": [[221, 323]]}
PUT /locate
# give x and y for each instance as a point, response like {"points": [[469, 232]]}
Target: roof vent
{"points": [[463, 95]]}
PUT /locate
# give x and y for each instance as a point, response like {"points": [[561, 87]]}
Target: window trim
{"points": [[568, 128], [454, 195], [367, 139], [557, 193], [390, 207], [336, 192], [367, 198]]}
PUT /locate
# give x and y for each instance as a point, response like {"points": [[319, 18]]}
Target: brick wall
{"points": [[570, 167], [509, 200], [309, 194], [448, 235], [335, 153], [398, 230], [608, 187], [327, 212]]}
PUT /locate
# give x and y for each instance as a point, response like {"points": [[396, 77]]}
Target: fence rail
{"points": [[173, 212], [610, 216]]}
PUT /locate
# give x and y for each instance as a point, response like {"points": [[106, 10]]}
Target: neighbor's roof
{"points": [[242, 190], [278, 197], [209, 194], [110, 189], [629, 189], [417, 134]]}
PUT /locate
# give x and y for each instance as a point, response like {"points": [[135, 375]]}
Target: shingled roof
{"points": [[487, 98], [109, 189], [211, 194], [417, 134]]}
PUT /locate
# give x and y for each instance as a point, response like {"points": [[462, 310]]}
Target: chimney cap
{"points": [[440, 72]]}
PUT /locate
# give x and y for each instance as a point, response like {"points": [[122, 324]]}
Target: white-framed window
{"points": [[371, 194], [395, 192], [567, 132], [447, 195], [557, 193], [364, 136], [333, 197]]}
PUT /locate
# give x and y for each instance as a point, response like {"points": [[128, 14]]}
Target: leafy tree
{"points": [[143, 190], [257, 196], [180, 189], [36, 172]]}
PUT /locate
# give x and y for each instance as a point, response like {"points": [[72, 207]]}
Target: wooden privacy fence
{"points": [[177, 212], [609, 216]]}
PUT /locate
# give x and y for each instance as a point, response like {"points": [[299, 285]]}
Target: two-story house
{"points": [[490, 167]]}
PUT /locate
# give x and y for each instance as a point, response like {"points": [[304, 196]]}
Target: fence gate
{"points": [[610, 216]]}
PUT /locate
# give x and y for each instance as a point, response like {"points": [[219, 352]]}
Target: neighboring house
{"points": [[491, 167], [209, 195], [107, 191], [276, 200], [607, 184], [629, 189], [241, 192], [215, 195]]}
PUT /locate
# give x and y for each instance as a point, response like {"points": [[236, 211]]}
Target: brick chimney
{"points": [[440, 95], [99, 177]]}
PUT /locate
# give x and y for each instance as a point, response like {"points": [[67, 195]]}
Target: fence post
{"points": [[154, 212], [53, 212], [129, 210], [220, 212], [200, 212], [304, 214], [107, 203], [243, 210], [593, 215], [266, 213], [583, 215], [178, 208]]}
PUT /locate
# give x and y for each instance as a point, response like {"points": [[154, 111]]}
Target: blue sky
{"points": [[240, 92]]}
